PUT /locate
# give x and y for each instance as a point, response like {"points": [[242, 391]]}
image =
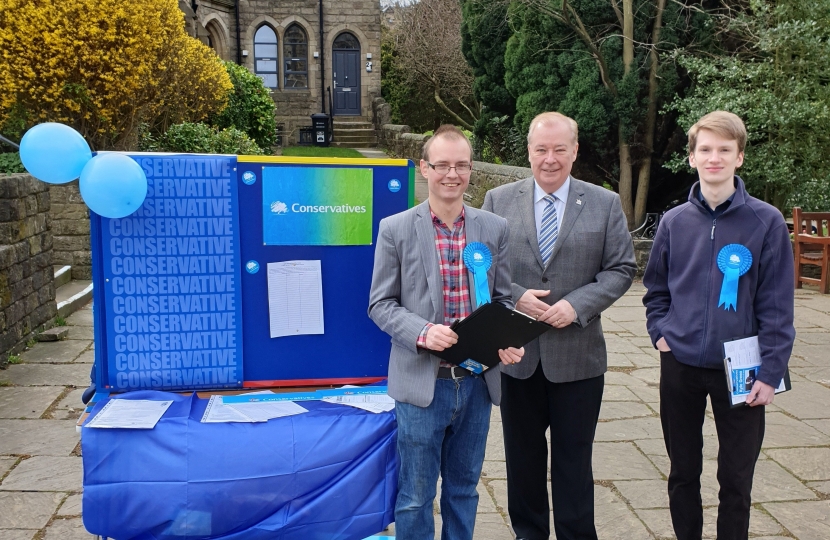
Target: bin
{"points": [[320, 125]]}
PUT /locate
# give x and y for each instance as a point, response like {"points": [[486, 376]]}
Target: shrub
{"points": [[104, 67], [250, 107], [200, 139], [10, 163]]}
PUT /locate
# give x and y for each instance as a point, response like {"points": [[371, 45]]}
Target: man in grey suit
{"points": [[571, 257], [419, 287]]}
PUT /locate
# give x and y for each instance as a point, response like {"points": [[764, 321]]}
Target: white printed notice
{"points": [[129, 413], [743, 362], [295, 298]]}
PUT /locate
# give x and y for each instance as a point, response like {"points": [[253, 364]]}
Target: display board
{"points": [[249, 271]]}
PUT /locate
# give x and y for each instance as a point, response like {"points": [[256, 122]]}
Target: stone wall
{"points": [[27, 292], [70, 230], [295, 106]]}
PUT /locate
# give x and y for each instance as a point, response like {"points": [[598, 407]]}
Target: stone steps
{"points": [[354, 132], [70, 295]]}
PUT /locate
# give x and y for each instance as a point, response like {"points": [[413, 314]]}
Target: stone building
{"points": [[336, 70]]}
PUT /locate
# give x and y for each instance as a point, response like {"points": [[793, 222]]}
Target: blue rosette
{"points": [[734, 260], [478, 259]]}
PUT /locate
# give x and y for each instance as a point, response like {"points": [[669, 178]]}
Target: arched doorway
{"points": [[346, 75]]}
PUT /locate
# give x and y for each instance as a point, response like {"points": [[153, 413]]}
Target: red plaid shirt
{"points": [[450, 245]]}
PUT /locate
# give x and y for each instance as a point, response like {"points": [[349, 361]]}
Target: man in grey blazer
{"points": [[571, 257], [419, 287]]}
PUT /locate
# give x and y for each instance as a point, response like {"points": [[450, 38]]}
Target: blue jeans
{"points": [[449, 436]]}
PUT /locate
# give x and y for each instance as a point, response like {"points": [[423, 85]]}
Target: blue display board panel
{"points": [[167, 280], [178, 306], [352, 349]]}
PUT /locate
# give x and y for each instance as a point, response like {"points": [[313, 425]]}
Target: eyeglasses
{"points": [[443, 168]]}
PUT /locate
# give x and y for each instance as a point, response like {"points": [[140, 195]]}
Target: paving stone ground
{"points": [[40, 464]]}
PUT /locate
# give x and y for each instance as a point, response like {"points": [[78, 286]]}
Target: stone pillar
{"points": [[70, 227], [27, 292]]}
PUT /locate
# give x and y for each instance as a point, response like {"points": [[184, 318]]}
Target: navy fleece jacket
{"points": [[684, 283]]}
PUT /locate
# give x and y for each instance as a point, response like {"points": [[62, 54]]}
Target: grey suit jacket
{"points": [[592, 265], [407, 293]]}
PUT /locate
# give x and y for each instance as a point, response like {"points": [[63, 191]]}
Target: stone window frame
{"points": [[276, 58]]}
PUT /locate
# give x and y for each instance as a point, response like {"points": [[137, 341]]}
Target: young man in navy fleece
{"points": [[691, 308]]}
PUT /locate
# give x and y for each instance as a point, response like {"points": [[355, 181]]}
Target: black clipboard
{"points": [[739, 381], [489, 328]]}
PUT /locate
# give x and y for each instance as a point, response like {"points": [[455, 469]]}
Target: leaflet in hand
{"points": [[742, 360]]}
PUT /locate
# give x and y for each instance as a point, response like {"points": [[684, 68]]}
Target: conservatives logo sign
{"points": [[317, 206]]}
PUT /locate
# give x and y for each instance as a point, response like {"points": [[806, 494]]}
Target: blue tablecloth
{"points": [[326, 474]]}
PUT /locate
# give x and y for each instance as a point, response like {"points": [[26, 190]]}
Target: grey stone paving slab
{"points": [[813, 355], [19, 510], [625, 313], [806, 520], [613, 519], [495, 448], [771, 483], [662, 463], [46, 473], [637, 328], [70, 407], [615, 344], [47, 375], [621, 461], [619, 360], [86, 357], [806, 400], [659, 521], [646, 393], [656, 447], [81, 332], [38, 437], [805, 463], [82, 317], [67, 529], [812, 338], [609, 327], [618, 378], [650, 376], [821, 487], [6, 463], [814, 317], [17, 534], [71, 506], [629, 430], [494, 469], [644, 493], [783, 431], [54, 352], [614, 410], [20, 402], [499, 488], [645, 360], [617, 393]]}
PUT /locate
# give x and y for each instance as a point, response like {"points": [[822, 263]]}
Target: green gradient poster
{"points": [[316, 206]]}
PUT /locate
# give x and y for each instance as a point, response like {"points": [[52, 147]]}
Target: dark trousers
{"points": [[571, 410], [683, 391]]}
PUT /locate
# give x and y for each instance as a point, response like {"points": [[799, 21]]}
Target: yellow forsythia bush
{"points": [[104, 67]]}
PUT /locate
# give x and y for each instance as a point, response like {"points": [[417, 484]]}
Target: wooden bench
{"points": [[812, 246]]}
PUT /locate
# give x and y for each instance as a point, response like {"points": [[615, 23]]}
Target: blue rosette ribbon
{"points": [[734, 261], [478, 259]]}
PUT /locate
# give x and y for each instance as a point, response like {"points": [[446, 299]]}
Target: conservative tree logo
{"points": [[279, 207]]}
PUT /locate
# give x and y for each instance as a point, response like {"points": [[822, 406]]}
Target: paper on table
{"points": [[262, 411], [743, 362], [217, 412], [129, 413], [368, 402], [295, 298]]}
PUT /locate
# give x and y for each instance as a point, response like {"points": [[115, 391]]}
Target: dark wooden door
{"points": [[346, 83]]}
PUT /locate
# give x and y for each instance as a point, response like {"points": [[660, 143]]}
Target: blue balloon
{"points": [[113, 185], [54, 153]]}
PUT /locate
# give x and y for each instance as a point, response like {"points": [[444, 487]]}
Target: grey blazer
{"points": [[407, 292], [592, 265]]}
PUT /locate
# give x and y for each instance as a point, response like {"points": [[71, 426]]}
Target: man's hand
{"points": [[529, 303], [440, 337], [662, 346], [761, 394], [559, 315], [511, 355]]}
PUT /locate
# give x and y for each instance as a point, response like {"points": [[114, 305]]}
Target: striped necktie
{"points": [[549, 230]]}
